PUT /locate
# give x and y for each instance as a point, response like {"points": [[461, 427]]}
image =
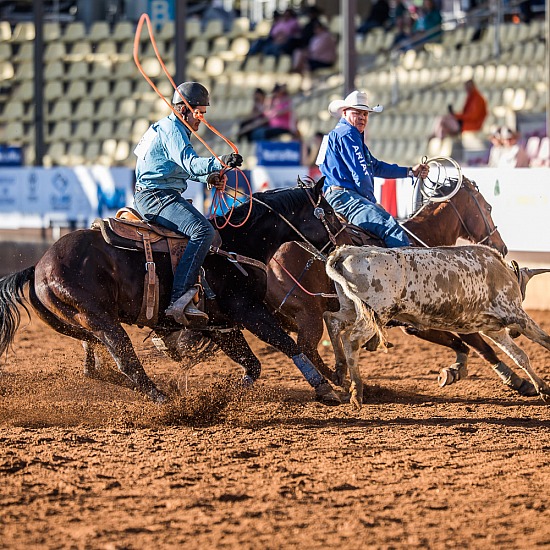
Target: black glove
{"points": [[232, 160], [214, 179]]}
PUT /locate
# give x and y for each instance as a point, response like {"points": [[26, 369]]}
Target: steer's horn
{"points": [[525, 275]]}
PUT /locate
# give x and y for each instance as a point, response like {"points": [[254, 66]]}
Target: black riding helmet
{"points": [[194, 93]]}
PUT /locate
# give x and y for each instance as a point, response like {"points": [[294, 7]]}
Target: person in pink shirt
{"points": [[282, 37], [320, 51], [279, 114]]}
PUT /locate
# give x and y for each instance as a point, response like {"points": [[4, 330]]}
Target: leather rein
{"points": [[489, 232], [318, 212]]}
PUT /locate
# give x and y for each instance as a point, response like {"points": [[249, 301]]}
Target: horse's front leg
{"points": [[505, 373], [235, 346], [255, 317], [310, 332]]}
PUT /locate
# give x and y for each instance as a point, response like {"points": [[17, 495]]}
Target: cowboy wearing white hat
{"points": [[349, 169]]}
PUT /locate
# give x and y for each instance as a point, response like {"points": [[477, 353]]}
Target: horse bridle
{"points": [[320, 214], [490, 232]]}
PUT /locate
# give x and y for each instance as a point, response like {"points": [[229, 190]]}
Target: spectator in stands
{"points": [[427, 23], [379, 17], [306, 34], [216, 10], [471, 118], [398, 11], [279, 115], [165, 162], [256, 119], [320, 52], [282, 35], [512, 153], [496, 148], [403, 32], [350, 170]]}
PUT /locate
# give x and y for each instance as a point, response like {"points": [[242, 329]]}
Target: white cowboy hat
{"points": [[355, 100]]}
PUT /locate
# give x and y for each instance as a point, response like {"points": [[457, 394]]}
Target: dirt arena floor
{"points": [[85, 464]]}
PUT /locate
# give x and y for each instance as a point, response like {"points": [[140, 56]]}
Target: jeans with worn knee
{"points": [[169, 208], [366, 214]]}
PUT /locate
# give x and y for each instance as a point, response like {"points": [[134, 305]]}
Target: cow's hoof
{"points": [[326, 395], [372, 344], [355, 401]]}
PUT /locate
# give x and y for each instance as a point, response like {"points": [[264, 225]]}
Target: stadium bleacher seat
{"points": [[85, 109], [99, 31], [23, 32], [61, 110], [80, 51], [5, 32], [124, 30], [74, 31], [74, 154]]}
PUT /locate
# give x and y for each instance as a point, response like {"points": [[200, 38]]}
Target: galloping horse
{"points": [[85, 288], [465, 215]]}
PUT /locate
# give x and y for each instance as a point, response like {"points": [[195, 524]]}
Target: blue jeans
{"points": [[169, 209], [368, 215]]}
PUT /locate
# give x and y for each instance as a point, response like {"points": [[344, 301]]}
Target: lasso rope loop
{"points": [[218, 198]]}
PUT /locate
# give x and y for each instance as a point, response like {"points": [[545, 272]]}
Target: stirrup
{"points": [[176, 310]]}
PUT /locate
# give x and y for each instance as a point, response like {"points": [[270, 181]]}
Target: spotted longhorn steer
{"points": [[462, 289]]}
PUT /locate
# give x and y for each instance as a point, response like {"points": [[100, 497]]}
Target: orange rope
{"points": [[218, 198]]}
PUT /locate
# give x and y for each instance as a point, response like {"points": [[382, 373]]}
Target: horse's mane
{"points": [[282, 200]]}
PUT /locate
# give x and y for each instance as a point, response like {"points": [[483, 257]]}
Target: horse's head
{"points": [[318, 221], [474, 213]]}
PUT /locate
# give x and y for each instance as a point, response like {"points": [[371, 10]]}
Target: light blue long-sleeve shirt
{"points": [[349, 164], [166, 159]]}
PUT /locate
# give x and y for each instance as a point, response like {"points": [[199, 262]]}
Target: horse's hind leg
{"points": [[117, 341], [504, 372], [95, 366], [503, 340]]}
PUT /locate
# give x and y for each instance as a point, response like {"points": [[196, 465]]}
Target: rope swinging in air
{"points": [[219, 200]]}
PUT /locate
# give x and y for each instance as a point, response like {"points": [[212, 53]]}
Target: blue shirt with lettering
{"points": [[348, 162]]}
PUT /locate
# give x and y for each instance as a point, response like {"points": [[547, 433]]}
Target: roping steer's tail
{"points": [[366, 316], [11, 295]]}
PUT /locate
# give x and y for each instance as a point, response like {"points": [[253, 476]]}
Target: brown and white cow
{"points": [[462, 289]]}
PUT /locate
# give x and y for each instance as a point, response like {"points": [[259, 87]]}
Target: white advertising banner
{"points": [[520, 199], [40, 197], [264, 177]]}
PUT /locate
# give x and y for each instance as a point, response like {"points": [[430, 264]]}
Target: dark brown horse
{"points": [[85, 288], [466, 215]]}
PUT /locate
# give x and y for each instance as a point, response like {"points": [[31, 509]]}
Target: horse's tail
{"points": [[11, 296]]}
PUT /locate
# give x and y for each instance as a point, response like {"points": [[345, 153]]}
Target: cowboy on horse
{"points": [[350, 169], [166, 160]]}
